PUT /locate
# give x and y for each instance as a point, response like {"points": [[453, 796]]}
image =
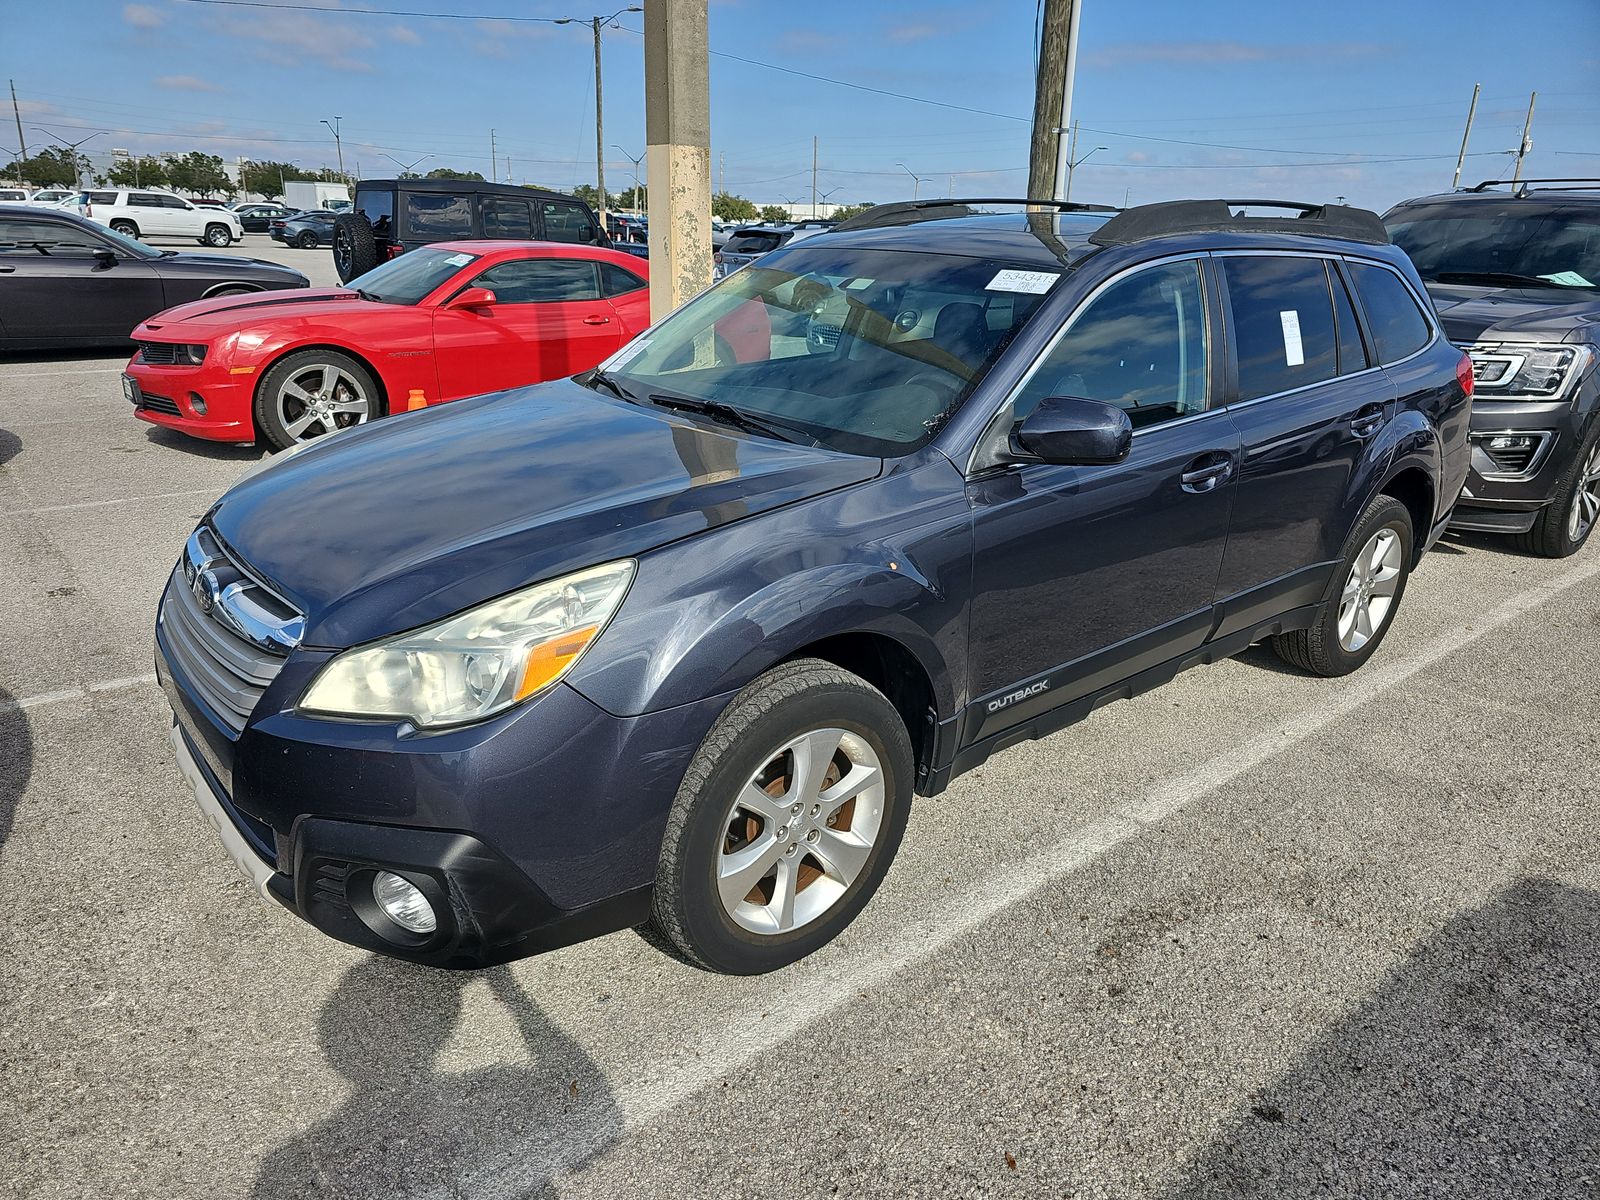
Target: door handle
{"points": [[1367, 420], [597, 320], [1207, 472], [6, 270]]}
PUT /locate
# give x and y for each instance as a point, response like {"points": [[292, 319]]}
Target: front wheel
{"points": [[314, 393], [218, 236], [1566, 522], [786, 821], [1372, 576]]}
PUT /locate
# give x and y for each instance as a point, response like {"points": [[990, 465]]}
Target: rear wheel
{"points": [[1372, 576], [306, 241], [355, 249], [785, 823], [125, 228], [218, 236], [312, 394], [1567, 521]]}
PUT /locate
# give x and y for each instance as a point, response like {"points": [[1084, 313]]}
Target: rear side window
{"points": [[439, 214], [542, 281], [618, 281], [567, 223], [378, 206], [1397, 324], [143, 200], [1282, 323], [1352, 352], [507, 219]]}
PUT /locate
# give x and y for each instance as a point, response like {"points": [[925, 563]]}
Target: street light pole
{"points": [[916, 180], [1073, 166], [412, 166], [338, 143], [825, 196], [77, 166], [635, 160]]}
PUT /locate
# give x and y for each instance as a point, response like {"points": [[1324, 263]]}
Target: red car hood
{"points": [[239, 310]]}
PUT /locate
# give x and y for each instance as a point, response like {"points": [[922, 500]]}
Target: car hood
{"points": [[403, 522], [238, 310], [1473, 314]]}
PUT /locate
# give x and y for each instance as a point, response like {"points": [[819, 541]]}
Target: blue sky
{"points": [[1232, 97]]}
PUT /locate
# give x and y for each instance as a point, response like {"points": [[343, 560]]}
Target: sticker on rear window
{"points": [[459, 260], [1035, 283], [626, 355], [1293, 351]]}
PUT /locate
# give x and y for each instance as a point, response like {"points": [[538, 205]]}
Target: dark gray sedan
{"points": [[65, 281]]}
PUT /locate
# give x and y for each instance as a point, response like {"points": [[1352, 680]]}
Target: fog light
{"points": [[198, 403], [402, 903], [1511, 443]]}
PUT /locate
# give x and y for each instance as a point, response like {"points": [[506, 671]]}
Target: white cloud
{"points": [[405, 35], [1210, 53], [142, 16], [301, 39], [186, 83]]}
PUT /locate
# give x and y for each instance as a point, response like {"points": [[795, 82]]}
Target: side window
{"points": [[567, 223], [1397, 324], [1352, 352], [1141, 344], [541, 281], [507, 218], [173, 202], [618, 281], [439, 214], [29, 237], [1282, 323], [143, 200]]}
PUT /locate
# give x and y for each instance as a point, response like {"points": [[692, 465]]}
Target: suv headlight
{"points": [[1526, 370], [479, 662]]}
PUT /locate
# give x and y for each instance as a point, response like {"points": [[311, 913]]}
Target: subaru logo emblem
{"points": [[206, 590]]}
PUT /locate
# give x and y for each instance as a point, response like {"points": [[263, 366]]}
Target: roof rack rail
{"points": [[1522, 188], [910, 212], [1216, 216]]}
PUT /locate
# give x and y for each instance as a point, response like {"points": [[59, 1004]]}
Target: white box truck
{"points": [[305, 195]]}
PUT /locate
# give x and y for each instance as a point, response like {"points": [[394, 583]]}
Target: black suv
{"points": [[673, 642], [391, 216], [1515, 276]]}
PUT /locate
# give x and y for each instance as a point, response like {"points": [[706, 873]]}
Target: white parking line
{"points": [[735, 1043], [78, 693], [52, 508]]}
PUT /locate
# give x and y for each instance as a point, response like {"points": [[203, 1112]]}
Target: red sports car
{"points": [[450, 320]]}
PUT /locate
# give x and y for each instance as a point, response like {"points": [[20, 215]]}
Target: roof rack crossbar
{"points": [[909, 212], [1523, 183], [1216, 216]]}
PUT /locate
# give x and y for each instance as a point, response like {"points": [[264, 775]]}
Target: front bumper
{"points": [[168, 400], [1505, 496]]}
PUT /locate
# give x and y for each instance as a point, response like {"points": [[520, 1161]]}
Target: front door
{"points": [[1085, 575], [549, 320], [49, 268]]}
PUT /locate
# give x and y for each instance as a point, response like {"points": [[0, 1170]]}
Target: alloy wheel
{"points": [[1585, 498], [1370, 589], [800, 831], [321, 399]]}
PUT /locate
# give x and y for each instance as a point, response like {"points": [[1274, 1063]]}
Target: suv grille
{"points": [[225, 632], [160, 354]]}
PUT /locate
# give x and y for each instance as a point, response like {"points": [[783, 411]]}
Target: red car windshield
{"points": [[407, 279]]}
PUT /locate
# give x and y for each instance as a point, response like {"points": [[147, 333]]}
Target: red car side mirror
{"points": [[472, 297]]}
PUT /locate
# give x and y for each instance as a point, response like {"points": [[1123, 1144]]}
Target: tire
{"points": [[125, 228], [1328, 648], [306, 241], [355, 249], [217, 236], [231, 291], [311, 374], [1565, 524], [764, 739]]}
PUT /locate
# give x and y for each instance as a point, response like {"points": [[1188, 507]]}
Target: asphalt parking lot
{"points": [[1251, 934]]}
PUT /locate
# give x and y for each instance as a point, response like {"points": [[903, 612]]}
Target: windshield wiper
{"points": [[600, 378], [373, 296], [729, 415], [1492, 278]]}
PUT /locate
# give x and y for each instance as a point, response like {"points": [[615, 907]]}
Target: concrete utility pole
{"points": [[22, 146], [813, 175], [1526, 144], [494, 155], [338, 144], [1048, 160], [1472, 108], [599, 131], [677, 88]]}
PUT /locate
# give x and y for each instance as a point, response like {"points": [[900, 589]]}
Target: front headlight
{"points": [[478, 663], [193, 354], [1525, 370]]}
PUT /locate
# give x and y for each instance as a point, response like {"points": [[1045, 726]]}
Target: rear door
{"points": [[52, 287], [147, 212], [509, 219], [549, 320], [1306, 396]]}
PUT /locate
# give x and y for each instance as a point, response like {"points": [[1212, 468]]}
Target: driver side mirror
{"points": [[1072, 432], [104, 257], [472, 298]]}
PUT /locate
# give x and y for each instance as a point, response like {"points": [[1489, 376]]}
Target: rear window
{"points": [[753, 243], [378, 206], [1397, 324], [619, 281], [439, 214]]}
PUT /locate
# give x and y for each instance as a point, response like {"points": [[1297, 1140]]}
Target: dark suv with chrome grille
{"points": [[1515, 276], [673, 643]]}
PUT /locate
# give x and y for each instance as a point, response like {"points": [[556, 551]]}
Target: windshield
{"points": [[1543, 246], [753, 243], [866, 351], [407, 279]]}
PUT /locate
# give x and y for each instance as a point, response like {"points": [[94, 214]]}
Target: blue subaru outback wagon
{"points": [[673, 643]]}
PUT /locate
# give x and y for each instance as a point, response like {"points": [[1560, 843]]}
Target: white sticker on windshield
{"points": [[626, 355], [459, 260], [1568, 279], [1293, 351], [1035, 283]]}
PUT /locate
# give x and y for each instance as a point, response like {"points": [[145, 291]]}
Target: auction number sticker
{"points": [[459, 260], [1293, 351], [1034, 283]]}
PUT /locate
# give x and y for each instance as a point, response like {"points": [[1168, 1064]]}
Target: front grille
{"points": [[161, 354], [226, 633], [159, 404]]}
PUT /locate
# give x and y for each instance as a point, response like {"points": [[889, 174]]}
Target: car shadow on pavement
{"points": [[10, 446], [409, 1127], [1474, 1071], [16, 760], [202, 448]]}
